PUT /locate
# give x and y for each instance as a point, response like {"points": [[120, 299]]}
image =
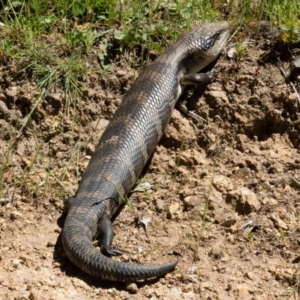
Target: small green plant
{"points": [[250, 236], [240, 51], [283, 235]]}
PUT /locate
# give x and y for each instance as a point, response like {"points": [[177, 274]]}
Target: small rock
{"points": [[56, 265], [99, 126], [11, 94], [190, 202], [231, 238], [243, 138], [245, 78], [125, 257], [278, 222], [218, 95], [34, 295], [134, 257], [250, 275], [240, 118], [266, 276], [242, 142], [222, 183], [113, 292], [191, 157], [54, 98], [276, 168], [243, 293], [173, 210], [25, 296], [80, 284], [90, 148], [132, 288], [253, 164], [14, 215], [211, 136], [4, 111], [160, 205], [193, 270], [228, 223], [16, 262], [159, 292], [270, 201], [122, 73], [247, 202], [217, 205], [50, 244], [204, 285], [187, 288]]}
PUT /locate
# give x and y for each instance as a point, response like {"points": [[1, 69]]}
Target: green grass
{"points": [[146, 24], [50, 38]]}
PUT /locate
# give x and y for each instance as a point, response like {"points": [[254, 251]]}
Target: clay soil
{"points": [[241, 244]]}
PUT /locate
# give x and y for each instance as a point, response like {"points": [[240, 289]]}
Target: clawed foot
{"points": [[111, 252]]}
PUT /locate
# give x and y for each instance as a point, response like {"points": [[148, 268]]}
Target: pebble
{"points": [[247, 201], [243, 293], [11, 94], [190, 202], [270, 201], [278, 222], [222, 183], [193, 270], [125, 257], [253, 164], [132, 288], [34, 295], [14, 215], [218, 94], [250, 275], [173, 209], [50, 244], [80, 284], [187, 288], [159, 205], [16, 262], [205, 285], [228, 223]]}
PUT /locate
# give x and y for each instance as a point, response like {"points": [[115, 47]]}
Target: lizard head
{"points": [[204, 44]]}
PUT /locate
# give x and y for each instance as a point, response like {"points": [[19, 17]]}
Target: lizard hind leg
{"points": [[107, 235]]}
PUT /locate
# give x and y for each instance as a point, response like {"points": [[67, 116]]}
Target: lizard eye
{"points": [[209, 43]]}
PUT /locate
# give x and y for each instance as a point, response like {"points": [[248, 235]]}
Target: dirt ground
{"points": [[245, 159]]}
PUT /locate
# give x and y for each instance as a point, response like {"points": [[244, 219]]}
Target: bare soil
{"points": [[244, 159]]}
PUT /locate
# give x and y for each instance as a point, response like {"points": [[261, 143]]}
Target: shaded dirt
{"points": [[244, 159]]}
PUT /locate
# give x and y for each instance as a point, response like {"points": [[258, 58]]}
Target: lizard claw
{"points": [[111, 252]]}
